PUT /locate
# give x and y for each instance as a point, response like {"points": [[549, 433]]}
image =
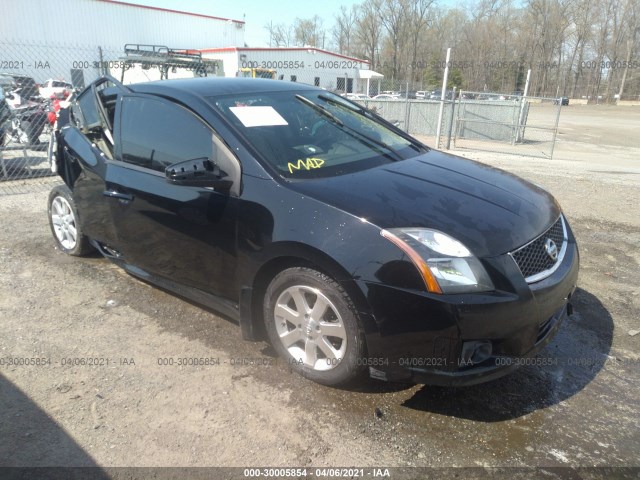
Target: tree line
{"points": [[575, 48]]}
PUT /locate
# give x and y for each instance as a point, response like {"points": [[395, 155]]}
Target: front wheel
{"points": [[63, 220], [313, 324]]}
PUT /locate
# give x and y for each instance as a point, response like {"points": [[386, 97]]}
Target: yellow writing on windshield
{"points": [[308, 164]]}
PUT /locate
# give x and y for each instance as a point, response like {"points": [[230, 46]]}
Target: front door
{"points": [[182, 233]]}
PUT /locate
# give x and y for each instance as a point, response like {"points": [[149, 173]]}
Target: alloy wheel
{"points": [[310, 327], [64, 222]]}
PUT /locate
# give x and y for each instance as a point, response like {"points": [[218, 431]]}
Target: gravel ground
{"points": [[579, 408]]}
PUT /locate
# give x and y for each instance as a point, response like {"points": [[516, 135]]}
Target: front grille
{"points": [[534, 261]]}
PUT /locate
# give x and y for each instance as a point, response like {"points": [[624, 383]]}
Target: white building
{"points": [[72, 39], [299, 64]]}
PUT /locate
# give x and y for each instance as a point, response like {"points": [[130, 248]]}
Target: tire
{"points": [[325, 343], [63, 220]]}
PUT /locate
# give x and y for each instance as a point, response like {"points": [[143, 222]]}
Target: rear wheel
{"points": [[63, 220], [313, 324]]}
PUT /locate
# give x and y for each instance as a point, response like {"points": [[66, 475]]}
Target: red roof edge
{"points": [[159, 9], [281, 49]]}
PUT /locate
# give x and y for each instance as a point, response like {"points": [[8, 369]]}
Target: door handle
{"points": [[119, 195]]}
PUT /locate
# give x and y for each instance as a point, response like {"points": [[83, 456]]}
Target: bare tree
{"points": [[309, 31], [419, 18], [580, 15], [604, 11], [394, 16], [368, 30], [343, 29], [550, 20], [632, 40], [280, 35], [574, 47]]}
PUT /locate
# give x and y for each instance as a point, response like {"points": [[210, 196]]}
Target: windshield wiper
{"points": [[340, 123], [320, 109], [350, 130], [369, 114], [330, 115]]}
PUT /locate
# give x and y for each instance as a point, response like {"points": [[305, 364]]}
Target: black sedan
{"points": [[316, 224]]}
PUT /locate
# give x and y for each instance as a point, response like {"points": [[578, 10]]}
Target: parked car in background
{"points": [[411, 95], [357, 96], [386, 96], [437, 95], [27, 85], [23, 121], [7, 83], [308, 219], [562, 101], [494, 97], [55, 88]]}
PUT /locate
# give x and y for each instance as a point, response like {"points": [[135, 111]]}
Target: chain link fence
{"points": [[513, 124], [36, 79]]}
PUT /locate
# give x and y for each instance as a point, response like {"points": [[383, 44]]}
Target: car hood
{"points": [[491, 211]]}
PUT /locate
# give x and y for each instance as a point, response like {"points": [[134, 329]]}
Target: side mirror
{"points": [[198, 172]]}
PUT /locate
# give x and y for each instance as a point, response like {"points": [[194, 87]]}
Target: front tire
{"points": [[313, 324], [63, 220]]}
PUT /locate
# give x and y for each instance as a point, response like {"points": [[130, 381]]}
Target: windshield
{"points": [[311, 134]]}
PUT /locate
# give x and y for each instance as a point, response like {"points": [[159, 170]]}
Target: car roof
{"points": [[211, 86], [7, 79], [21, 77]]}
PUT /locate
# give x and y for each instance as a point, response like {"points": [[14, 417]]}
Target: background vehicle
{"points": [[437, 94], [54, 87], [357, 96], [23, 121], [27, 85], [7, 83], [386, 96], [257, 73], [411, 94]]}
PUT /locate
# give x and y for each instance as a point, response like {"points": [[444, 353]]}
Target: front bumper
{"points": [[420, 337]]}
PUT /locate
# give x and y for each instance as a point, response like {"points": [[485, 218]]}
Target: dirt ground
{"points": [[125, 408]]}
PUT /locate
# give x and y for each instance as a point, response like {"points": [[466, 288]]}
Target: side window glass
{"points": [[89, 109], [156, 134]]}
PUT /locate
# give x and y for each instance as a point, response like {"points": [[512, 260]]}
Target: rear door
{"points": [[183, 233]]}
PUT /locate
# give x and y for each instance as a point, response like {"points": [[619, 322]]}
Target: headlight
{"points": [[445, 264]]}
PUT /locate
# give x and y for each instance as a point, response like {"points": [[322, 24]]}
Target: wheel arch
{"points": [[288, 255]]}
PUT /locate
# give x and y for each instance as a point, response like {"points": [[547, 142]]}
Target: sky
{"points": [[256, 13]]}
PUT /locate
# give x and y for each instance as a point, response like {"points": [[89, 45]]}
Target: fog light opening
{"points": [[475, 352]]}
